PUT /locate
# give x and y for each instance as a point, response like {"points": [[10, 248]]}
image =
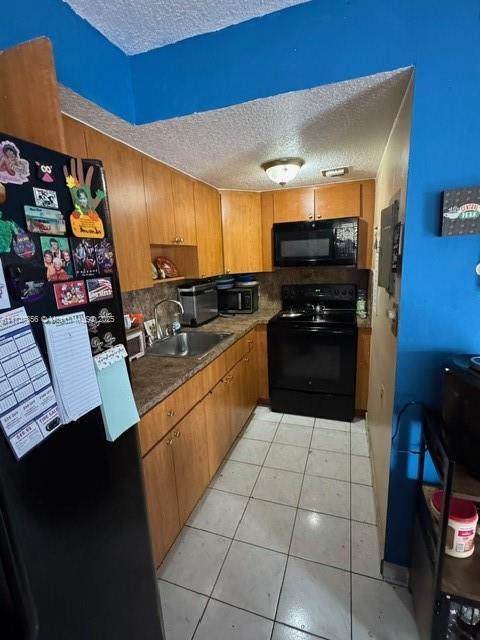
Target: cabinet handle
{"points": [[227, 271], [249, 341], [177, 434], [170, 413], [247, 359], [318, 217], [310, 217], [203, 275], [169, 442], [180, 239]]}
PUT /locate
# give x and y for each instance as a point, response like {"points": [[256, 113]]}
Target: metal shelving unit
{"points": [[442, 585]]}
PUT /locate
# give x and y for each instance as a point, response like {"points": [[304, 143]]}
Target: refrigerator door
{"points": [[75, 556], [77, 514]]}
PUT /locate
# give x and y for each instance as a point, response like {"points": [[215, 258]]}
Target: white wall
{"points": [[391, 183]]}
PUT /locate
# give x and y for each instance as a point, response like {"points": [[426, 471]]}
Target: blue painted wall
{"points": [[305, 46]]}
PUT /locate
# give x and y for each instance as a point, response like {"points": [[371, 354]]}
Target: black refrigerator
{"points": [[75, 556]]}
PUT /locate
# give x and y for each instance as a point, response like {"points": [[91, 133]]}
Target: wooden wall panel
{"points": [[29, 101]]}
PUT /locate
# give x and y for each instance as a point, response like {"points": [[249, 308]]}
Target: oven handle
{"points": [[18, 583], [349, 331], [239, 294]]}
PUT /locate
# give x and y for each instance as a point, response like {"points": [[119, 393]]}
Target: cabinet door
{"points": [[368, 213], [293, 205], [208, 220], [363, 369], [75, 143], [184, 209], [190, 455], [159, 202], [267, 223], [242, 231], [338, 201], [217, 413], [239, 396], [161, 498], [126, 198]]}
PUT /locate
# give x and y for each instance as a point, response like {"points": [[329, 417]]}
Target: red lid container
{"points": [[460, 510]]}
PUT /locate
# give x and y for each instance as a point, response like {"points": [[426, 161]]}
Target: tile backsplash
{"points": [[144, 300], [271, 283]]}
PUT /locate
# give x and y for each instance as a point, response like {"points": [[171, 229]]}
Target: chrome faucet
{"points": [[158, 329]]}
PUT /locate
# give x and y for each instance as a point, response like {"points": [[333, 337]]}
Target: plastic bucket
{"points": [[462, 525]]}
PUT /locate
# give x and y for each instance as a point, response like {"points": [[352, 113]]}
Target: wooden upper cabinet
{"points": [[242, 231], [126, 197], [293, 205], [183, 209], [29, 100], [159, 201], [267, 223], [75, 143], [208, 220], [342, 200]]}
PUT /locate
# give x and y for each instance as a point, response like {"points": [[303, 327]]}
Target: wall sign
{"points": [[461, 212]]}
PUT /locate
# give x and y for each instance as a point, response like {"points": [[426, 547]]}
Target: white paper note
{"points": [[28, 409], [4, 297], [71, 365]]}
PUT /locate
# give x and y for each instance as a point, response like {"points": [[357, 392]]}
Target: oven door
{"points": [[317, 360]]}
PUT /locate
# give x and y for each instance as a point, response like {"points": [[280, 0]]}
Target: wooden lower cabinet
{"points": [[190, 457], [262, 362], [161, 497], [363, 369], [218, 429]]}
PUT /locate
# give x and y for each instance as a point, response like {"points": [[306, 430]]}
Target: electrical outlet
{"points": [[382, 395]]}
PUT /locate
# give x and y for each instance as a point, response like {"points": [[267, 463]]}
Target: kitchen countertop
{"points": [[156, 377]]}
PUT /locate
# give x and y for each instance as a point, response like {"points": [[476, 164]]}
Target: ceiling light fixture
{"points": [[282, 170], [335, 173]]}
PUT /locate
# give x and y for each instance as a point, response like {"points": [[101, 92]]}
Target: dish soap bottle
{"points": [[362, 303]]}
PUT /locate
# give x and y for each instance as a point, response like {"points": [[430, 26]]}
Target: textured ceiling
{"points": [[140, 25], [343, 124]]}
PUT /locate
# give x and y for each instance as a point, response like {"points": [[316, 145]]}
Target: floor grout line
{"points": [[234, 534], [291, 538]]}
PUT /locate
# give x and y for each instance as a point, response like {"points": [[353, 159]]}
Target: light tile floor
{"points": [[283, 545]]}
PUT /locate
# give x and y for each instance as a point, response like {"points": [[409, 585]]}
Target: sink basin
{"points": [[187, 344]]}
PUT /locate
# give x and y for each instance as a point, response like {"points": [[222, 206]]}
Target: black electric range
{"points": [[312, 351]]}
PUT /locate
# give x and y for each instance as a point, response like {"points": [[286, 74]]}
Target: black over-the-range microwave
{"points": [[339, 241]]}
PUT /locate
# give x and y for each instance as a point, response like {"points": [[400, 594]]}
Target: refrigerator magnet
{"points": [[84, 220], [41, 220], [45, 172], [84, 257], [56, 258], [99, 289], [70, 294], [23, 245], [13, 168], [109, 339], [105, 257], [96, 345], [4, 297], [45, 198]]}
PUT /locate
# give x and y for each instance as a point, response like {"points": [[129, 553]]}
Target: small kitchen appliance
{"points": [[200, 302], [239, 299]]}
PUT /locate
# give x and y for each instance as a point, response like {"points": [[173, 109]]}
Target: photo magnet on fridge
{"points": [[41, 220], [13, 168], [84, 258], [56, 258], [45, 198], [45, 172], [105, 257], [99, 289], [70, 294], [84, 220]]}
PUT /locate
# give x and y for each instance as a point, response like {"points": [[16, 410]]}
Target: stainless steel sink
{"points": [[187, 344]]}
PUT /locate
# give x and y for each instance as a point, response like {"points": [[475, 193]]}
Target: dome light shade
{"points": [[282, 170]]}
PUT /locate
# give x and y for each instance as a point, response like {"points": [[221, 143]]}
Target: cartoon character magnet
{"points": [[13, 168], [24, 246], [70, 294], [45, 172], [85, 221]]}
